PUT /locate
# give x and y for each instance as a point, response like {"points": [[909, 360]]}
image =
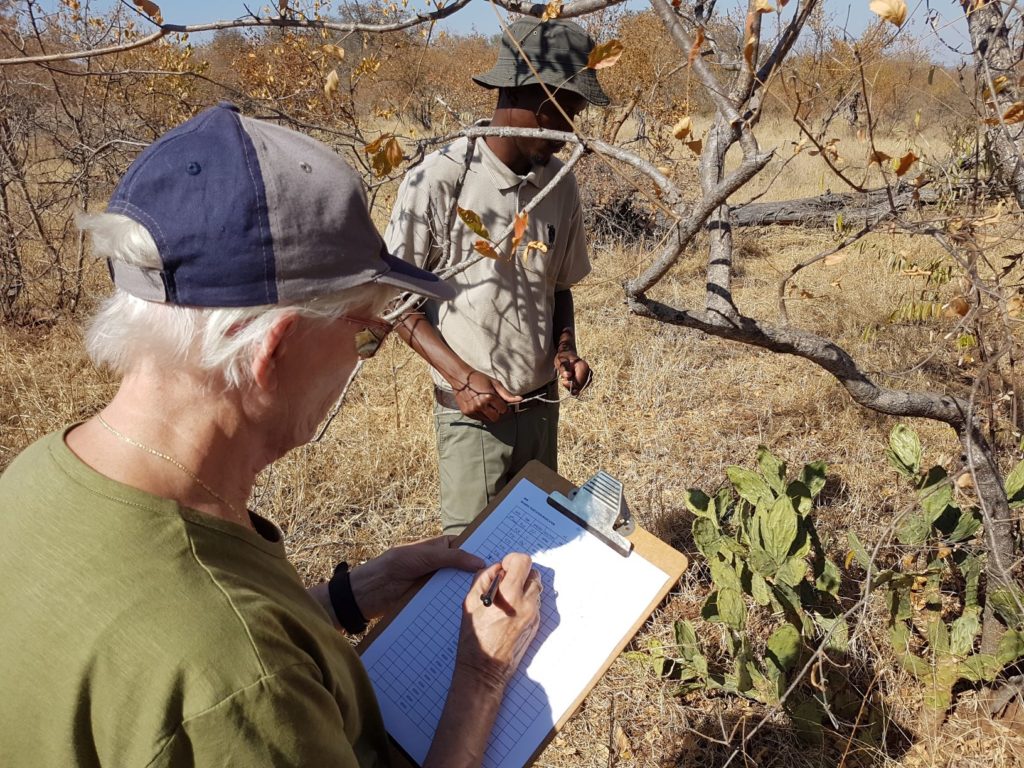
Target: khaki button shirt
{"points": [[500, 322]]}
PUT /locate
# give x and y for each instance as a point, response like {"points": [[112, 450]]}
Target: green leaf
{"points": [[934, 501], [731, 608], [700, 504], [914, 530], [792, 608], [970, 568], [937, 635], [749, 486], [905, 451], [723, 500], [1007, 603], [707, 537], [813, 476], [1011, 647], [931, 480], [1015, 485], [829, 579], [792, 571], [899, 635], [806, 715], [966, 526], [837, 631], [773, 470], [759, 589], [859, 552], [979, 667], [782, 649], [686, 639], [778, 529], [723, 574], [800, 494], [963, 632], [709, 611]]}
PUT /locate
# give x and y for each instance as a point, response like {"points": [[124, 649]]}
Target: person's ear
{"points": [[264, 362]]}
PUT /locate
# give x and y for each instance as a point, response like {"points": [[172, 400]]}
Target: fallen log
{"points": [[857, 208]]}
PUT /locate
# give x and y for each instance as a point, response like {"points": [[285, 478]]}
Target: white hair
{"points": [[219, 341]]}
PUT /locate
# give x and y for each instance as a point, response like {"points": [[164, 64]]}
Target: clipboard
{"points": [[599, 508]]}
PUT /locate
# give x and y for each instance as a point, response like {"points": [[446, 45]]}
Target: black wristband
{"points": [[343, 601]]}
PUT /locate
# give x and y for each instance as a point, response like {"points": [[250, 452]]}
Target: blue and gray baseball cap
{"points": [[245, 213]]}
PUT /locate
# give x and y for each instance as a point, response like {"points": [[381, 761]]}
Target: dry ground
{"points": [[669, 409]]}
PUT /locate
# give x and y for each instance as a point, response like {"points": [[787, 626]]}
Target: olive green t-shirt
{"points": [[137, 632]]}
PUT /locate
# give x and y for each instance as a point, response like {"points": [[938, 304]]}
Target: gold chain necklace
{"points": [[170, 460]]}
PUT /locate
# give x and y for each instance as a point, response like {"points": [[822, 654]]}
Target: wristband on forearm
{"points": [[343, 601]]}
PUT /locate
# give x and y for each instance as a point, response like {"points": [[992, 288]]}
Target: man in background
{"points": [[502, 347]]}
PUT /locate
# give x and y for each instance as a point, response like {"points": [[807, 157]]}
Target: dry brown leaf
{"points": [[798, 146], [902, 165], [750, 40], [893, 11], [519, 229], [835, 258], [698, 43], [472, 220], [695, 146], [1015, 306], [623, 749], [385, 153], [377, 144], [393, 153], [957, 307], [878, 157], [1014, 113], [331, 84], [482, 246], [605, 55], [682, 129], [998, 83], [534, 245], [916, 272], [148, 7], [763, 6], [965, 481], [552, 10], [282, 6], [334, 50]]}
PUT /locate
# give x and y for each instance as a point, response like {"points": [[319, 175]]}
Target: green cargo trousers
{"points": [[477, 459]]}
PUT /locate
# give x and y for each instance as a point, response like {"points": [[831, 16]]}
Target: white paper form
{"points": [[591, 596]]}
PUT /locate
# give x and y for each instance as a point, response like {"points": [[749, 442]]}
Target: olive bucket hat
{"points": [[558, 51]]}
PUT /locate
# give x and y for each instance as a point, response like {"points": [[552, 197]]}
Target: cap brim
{"points": [[406, 276], [496, 77]]}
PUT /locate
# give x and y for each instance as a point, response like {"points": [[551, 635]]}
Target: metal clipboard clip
{"points": [[599, 506]]}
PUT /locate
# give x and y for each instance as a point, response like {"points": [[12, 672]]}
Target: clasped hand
{"points": [[573, 371], [484, 398]]}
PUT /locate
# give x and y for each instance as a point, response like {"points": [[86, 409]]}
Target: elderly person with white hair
{"points": [[150, 619]]}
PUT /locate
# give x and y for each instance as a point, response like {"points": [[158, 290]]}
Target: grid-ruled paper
{"points": [[591, 596]]}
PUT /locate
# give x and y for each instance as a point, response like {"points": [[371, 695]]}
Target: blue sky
{"points": [[480, 16]]}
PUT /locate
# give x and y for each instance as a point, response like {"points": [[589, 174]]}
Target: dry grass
{"points": [[670, 409]]}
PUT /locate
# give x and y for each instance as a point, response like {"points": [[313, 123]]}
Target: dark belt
{"points": [[446, 398]]}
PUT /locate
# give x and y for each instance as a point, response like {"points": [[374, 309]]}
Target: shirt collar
{"points": [[503, 176]]}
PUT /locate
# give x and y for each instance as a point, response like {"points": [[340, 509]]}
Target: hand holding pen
{"points": [[500, 616]]}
